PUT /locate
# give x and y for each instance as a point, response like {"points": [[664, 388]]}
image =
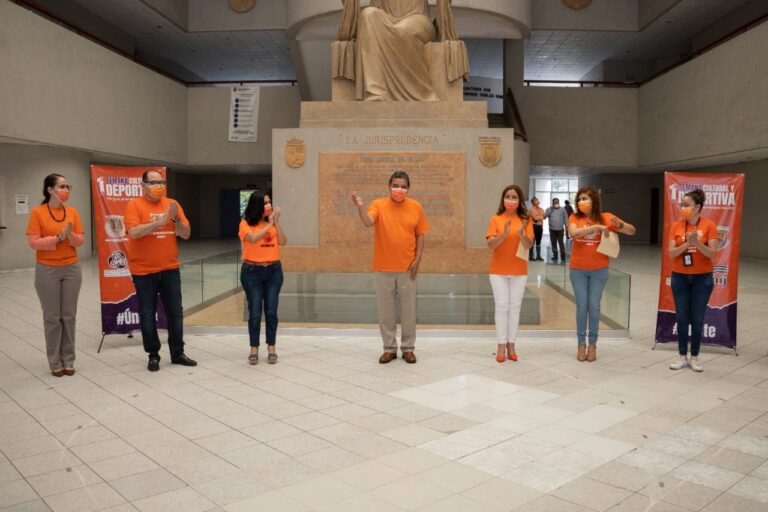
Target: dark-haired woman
{"points": [[693, 242], [509, 228], [54, 232], [261, 274], [589, 268]]}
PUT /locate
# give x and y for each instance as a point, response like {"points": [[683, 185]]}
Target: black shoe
{"points": [[539, 258], [184, 361], [154, 363]]}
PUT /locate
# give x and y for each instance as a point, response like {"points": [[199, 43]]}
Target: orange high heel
{"points": [[500, 354], [512, 355]]}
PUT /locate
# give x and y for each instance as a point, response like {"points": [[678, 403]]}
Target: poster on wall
{"points": [[243, 114], [723, 205], [112, 188]]}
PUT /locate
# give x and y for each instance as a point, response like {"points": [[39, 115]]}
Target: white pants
{"points": [[508, 295]]}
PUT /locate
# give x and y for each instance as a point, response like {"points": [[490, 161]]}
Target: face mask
{"points": [[686, 212], [157, 192], [63, 195], [267, 209], [585, 205], [398, 194], [511, 205], [556, 206]]}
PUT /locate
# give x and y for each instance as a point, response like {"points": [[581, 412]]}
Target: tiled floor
{"points": [[329, 429]]}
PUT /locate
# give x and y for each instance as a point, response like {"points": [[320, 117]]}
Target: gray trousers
{"points": [[58, 289], [391, 286]]}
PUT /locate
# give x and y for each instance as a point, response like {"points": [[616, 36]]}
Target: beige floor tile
{"points": [[270, 431], [202, 428], [330, 459], [707, 475], [455, 477], [728, 502], [624, 476], [86, 499], [640, 503], [226, 441], [364, 502], [681, 493], [182, 500], [34, 446], [63, 480], [369, 475], [16, 491], [412, 435], [751, 488], [412, 460], [544, 478], [592, 494], [501, 494], [272, 501], [458, 503], [85, 436], [233, 488], [411, 493], [321, 491], [299, 444], [125, 465], [203, 470], [37, 505], [103, 450], [729, 459], [8, 472], [549, 503], [46, 462], [149, 483]]}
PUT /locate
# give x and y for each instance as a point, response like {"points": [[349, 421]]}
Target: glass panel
{"points": [[573, 185], [560, 185], [218, 274], [545, 185], [191, 283], [543, 198]]}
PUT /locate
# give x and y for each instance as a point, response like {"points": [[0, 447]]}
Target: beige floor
{"points": [[330, 429]]}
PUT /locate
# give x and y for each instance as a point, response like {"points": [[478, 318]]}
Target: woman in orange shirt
{"points": [[589, 268], [54, 232], [509, 228], [262, 273], [693, 244]]}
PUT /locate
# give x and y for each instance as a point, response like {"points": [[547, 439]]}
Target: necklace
{"points": [[54, 218]]}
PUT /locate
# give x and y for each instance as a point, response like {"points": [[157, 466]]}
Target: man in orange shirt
{"points": [[399, 224], [153, 222]]}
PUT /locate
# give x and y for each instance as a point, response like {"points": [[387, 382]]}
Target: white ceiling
{"points": [[264, 55]]}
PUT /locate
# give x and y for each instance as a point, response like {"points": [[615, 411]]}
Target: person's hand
{"points": [[276, 213], [617, 223], [65, 232], [507, 226], [692, 237], [521, 229], [357, 200], [173, 210], [413, 269]]}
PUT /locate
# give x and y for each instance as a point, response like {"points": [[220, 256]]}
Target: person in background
{"points": [[589, 268], [508, 273], [537, 218], [399, 227], [558, 223], [152, 222], [569, 211], [261, 273], [693, 242], [55, 232]]}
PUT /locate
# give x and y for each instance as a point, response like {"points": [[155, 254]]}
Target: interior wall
{"points": [[619, 15], [209, 188], [208, 127], [67, 91], [22, 171], [185, 188]]}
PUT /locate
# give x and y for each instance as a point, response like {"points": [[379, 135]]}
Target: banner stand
{"points": [[723, 206], [104, 335]]}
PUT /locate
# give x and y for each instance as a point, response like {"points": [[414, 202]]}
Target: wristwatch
{"points": [[175, 220]]}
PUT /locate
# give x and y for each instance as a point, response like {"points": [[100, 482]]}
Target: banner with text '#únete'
{"points": [[112, 188], [723, 205]]}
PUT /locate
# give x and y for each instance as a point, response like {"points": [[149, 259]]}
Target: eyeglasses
{"points": [[155, 183], [64, 187]]}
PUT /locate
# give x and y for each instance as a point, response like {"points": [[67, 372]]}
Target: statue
{"points": [[383, 49]]}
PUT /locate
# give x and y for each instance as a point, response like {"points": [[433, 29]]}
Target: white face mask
{"points": [[556, 206]]}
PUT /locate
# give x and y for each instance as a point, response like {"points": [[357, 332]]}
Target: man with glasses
{"points": [[152, 223], [399, 227]]}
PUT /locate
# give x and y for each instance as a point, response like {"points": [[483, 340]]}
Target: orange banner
{"points": [[723, 205], [112, 188]]}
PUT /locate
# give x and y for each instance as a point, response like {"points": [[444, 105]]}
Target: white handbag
{"points": [[609, 245]]}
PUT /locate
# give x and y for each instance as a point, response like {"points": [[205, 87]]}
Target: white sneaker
{"points": [[696, 365], [679, 365]]}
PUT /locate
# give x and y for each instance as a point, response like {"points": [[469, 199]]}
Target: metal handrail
{"points": [[514, 112]]}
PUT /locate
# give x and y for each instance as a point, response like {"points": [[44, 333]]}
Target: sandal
{"points": [[69, 372], [253, 358], [272, 358], [512, 355]]}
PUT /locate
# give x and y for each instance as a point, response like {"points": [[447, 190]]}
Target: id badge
{"points": [[687, 259]]}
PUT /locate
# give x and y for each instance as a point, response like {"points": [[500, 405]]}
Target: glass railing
{"points": [[213, 297]]}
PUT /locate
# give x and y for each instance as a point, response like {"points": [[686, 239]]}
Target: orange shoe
{"points": [[513, 356], [511, 353], [500, 358]]}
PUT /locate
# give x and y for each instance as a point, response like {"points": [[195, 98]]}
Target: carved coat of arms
{"points": [[490, 151], [294, 153], [577, 4]]}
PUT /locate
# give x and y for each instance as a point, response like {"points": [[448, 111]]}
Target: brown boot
{"points": [[592, 352], [387, 357], [581, 355], [409, 357]]}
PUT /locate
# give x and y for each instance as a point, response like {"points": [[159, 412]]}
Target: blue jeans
{"points": [[588, 286], [167, 284], [262, 290], [691, 293]]}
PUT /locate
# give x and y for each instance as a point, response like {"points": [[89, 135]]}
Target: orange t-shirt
{"points": [[263, 250], [42, 224], [584, 255], [157, 251], [504, 260], [707, 231], [396, 226]]}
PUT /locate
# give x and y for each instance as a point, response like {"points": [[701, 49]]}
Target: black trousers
{"points": [[556, 239], [538, 232]]}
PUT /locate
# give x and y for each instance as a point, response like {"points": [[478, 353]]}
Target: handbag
{"points": [[522, 252], [609, 245]]}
